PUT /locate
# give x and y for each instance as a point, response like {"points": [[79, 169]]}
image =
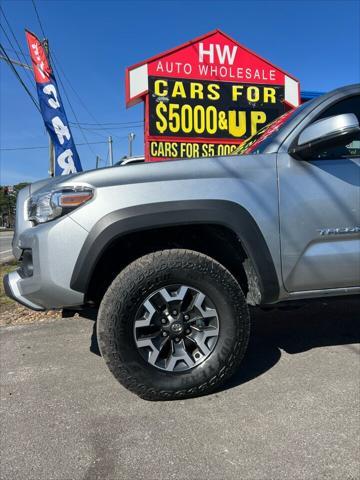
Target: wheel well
{"points": [[218, 242]]}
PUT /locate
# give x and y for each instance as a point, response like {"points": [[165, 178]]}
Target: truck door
{"points": [[319, 207]]}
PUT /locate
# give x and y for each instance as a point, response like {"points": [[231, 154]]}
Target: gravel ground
{"points": [[11, 313], [291, 412]]}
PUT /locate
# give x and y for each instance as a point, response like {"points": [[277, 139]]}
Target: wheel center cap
{"points": [[176, 327]]}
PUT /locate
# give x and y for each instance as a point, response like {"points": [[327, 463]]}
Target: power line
{"points": [[61, 82], [73, 89], [17, 51], [115, 123], [20, 61], [77, 124], [21, 51], [58, 66], [108, 128], [94, 130], [73, 111], [83, 104], [38, 148], [38, 17], [122, 137], [56, 62], [2, 49]]}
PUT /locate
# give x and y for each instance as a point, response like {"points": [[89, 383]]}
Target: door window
{"points": [[346, 149]]}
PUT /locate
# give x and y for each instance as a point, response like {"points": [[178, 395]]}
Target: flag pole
{"points": [[51, 145]]}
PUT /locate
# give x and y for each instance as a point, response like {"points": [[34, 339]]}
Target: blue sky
{"points": [[94, 41]]}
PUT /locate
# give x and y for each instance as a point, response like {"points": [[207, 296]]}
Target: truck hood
{"points": [[201, 168], [51, 183]]}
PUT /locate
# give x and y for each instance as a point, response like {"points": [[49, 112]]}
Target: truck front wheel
{"points": [[173, 324]]}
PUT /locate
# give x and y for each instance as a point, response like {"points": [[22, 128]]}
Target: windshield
{"points": [[257, 143]]}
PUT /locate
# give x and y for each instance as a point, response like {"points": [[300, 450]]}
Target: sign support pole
{"points": [[51, 146]]}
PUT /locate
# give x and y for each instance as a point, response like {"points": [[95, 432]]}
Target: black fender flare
{"points": [[166, 214]]}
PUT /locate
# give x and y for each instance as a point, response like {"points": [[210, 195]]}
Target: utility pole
{"points": [[111, 160], [97, 161], [131, 138], [51, 145]]}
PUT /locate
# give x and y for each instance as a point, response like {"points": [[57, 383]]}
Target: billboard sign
{"points": [[207, 96]]}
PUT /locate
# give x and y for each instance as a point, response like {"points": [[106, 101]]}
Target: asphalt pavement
{"points": [[291, 412], [6, 237]]}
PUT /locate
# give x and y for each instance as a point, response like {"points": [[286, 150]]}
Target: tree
{"points": [[8, 203]]}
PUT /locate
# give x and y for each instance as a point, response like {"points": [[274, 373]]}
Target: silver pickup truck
{"points": [[172, 253]]}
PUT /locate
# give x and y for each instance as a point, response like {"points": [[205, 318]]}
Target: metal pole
{"points": [[15, 62], [97, 161], [51, 158], [131, 139], [51, 145], [111, 152]]}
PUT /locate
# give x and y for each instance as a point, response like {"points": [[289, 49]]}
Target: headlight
{"points": [[50, 205]]}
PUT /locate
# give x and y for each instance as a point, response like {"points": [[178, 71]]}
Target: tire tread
{"points": [[138, 271]]}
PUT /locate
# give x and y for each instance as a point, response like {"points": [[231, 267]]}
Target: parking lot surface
{"points": [[291, 412]]}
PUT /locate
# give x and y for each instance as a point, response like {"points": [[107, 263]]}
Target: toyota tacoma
{"points": [[173, 253]]}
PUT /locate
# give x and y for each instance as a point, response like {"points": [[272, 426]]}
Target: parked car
{"points": [[173, 253], [130, 161]]}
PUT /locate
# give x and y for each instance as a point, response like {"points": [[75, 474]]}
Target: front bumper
{"points": [[11, 287], [51, 250]]}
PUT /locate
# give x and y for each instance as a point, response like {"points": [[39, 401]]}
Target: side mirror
{"points": [[325, 133]]}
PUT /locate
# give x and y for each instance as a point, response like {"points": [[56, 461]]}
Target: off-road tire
{"points": [[115, 324]]}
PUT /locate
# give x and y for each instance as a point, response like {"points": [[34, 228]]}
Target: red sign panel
{"points": [[206, 97]]}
